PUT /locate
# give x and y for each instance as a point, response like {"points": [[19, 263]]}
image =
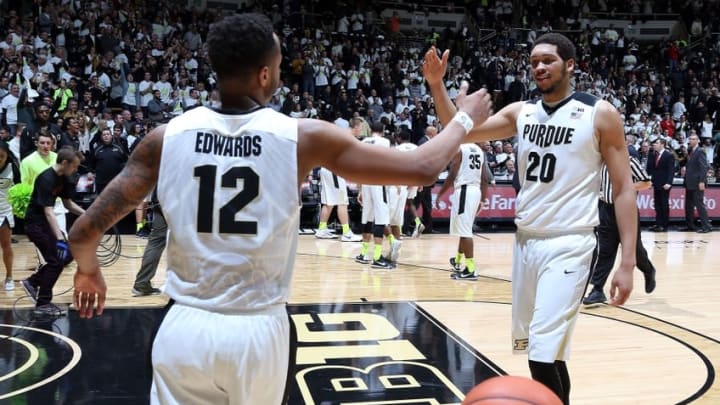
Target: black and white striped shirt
{"points": [[638, 175]]}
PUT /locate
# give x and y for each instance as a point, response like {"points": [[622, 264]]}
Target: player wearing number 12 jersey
{"points": [[562, 141], [228, 181]]}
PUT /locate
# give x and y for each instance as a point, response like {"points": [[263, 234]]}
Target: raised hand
{"points": [[477, 105], [434, 68]]}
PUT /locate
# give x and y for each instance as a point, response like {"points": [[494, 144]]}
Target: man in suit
{"points": [[695, 181], [661, 167]]}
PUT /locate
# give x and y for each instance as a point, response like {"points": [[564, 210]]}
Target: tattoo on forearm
{"points": [[128, 189]]}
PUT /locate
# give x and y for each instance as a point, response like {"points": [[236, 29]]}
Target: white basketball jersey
{"points": [[406, 147], [229, 191], [558, 166], [471, 166], [377, 140]]}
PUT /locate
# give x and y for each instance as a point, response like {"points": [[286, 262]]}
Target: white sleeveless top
{"points": [[229, 191], [558, 166], [471, 166], [6, 181]]}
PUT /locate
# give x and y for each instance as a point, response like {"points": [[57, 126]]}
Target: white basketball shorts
{"points": [[549, 278], [465, 202], [333, 189], [375, 205], [397, 196], [202, 357]]}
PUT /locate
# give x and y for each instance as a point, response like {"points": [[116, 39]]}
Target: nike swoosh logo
{"points": [[569, 272]]}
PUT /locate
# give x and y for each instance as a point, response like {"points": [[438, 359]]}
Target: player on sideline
{"points": [[398, 197], [333, 193], [228, 183], [563, 140], [375, 211], [469, 176]]}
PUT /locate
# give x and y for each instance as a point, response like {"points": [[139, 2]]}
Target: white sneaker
{"points": [[395, 251], [351, 237], [418, 230], [9, 284], [325, 234]]}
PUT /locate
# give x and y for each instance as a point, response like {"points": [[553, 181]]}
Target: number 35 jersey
{"points": [[228, 189], [471, 165], [558, 166]]}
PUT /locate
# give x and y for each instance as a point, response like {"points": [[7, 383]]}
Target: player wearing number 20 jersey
{"points": [[556, 140], [224, 155]]}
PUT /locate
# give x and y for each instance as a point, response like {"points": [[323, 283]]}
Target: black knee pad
{"points": [[367, 227], [378, 231]]}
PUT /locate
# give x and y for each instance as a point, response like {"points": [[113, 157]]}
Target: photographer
{"points": [[44, 231]]}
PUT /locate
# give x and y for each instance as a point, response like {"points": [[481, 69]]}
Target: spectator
{"points": [[156, 108], [108, 159], [9, 108]]}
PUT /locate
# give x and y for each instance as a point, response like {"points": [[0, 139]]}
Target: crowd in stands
{"points": [[74, 68]]}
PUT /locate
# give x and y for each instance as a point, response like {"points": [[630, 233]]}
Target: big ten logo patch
{"points": [[368, 356]]}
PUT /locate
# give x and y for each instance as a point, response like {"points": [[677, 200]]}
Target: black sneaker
{"points": [[596, 297], [145, 292], [382, 263], [455, 266], [49, 310], [143, 233], [649, 281], [30, 290], [362, 259], [464, 275]]}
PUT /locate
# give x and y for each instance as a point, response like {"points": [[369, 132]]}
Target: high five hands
{"points": [[477, 105]]}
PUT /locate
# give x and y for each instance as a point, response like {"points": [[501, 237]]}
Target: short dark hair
{"points": [[377, 127], [565, 47], [68, 153], [240, 43]]}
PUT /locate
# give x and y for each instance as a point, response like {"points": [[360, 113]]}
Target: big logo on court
{"points": [[389, 353]]}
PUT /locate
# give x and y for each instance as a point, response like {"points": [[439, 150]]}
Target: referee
{"points": [[609, 237]]}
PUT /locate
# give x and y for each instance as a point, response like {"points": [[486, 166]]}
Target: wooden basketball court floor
{"points": [[662, 348]]}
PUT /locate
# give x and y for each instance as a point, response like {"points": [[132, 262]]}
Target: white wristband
{"points": [[464, 119]]}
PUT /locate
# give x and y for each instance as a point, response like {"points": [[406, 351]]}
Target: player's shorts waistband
{"points": [[272, 310], [548, 234]]}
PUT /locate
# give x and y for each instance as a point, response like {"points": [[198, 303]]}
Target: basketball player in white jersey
{"points": [[228, 182], [333, 193], [398, 197], [562, 141], [376, 211], [469, 176]]}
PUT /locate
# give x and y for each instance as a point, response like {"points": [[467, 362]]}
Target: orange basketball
{"points": [[511, 390]]}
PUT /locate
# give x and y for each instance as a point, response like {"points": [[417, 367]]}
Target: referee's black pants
{"points": [[609, 241]]}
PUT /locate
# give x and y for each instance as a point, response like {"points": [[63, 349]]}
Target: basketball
{"points": [[511, 390]]}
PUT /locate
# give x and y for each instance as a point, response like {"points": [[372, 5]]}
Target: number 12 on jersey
{"points": [[206, 199]]}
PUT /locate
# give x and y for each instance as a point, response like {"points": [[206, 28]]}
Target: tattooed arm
{"points": [[120, 197]]}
